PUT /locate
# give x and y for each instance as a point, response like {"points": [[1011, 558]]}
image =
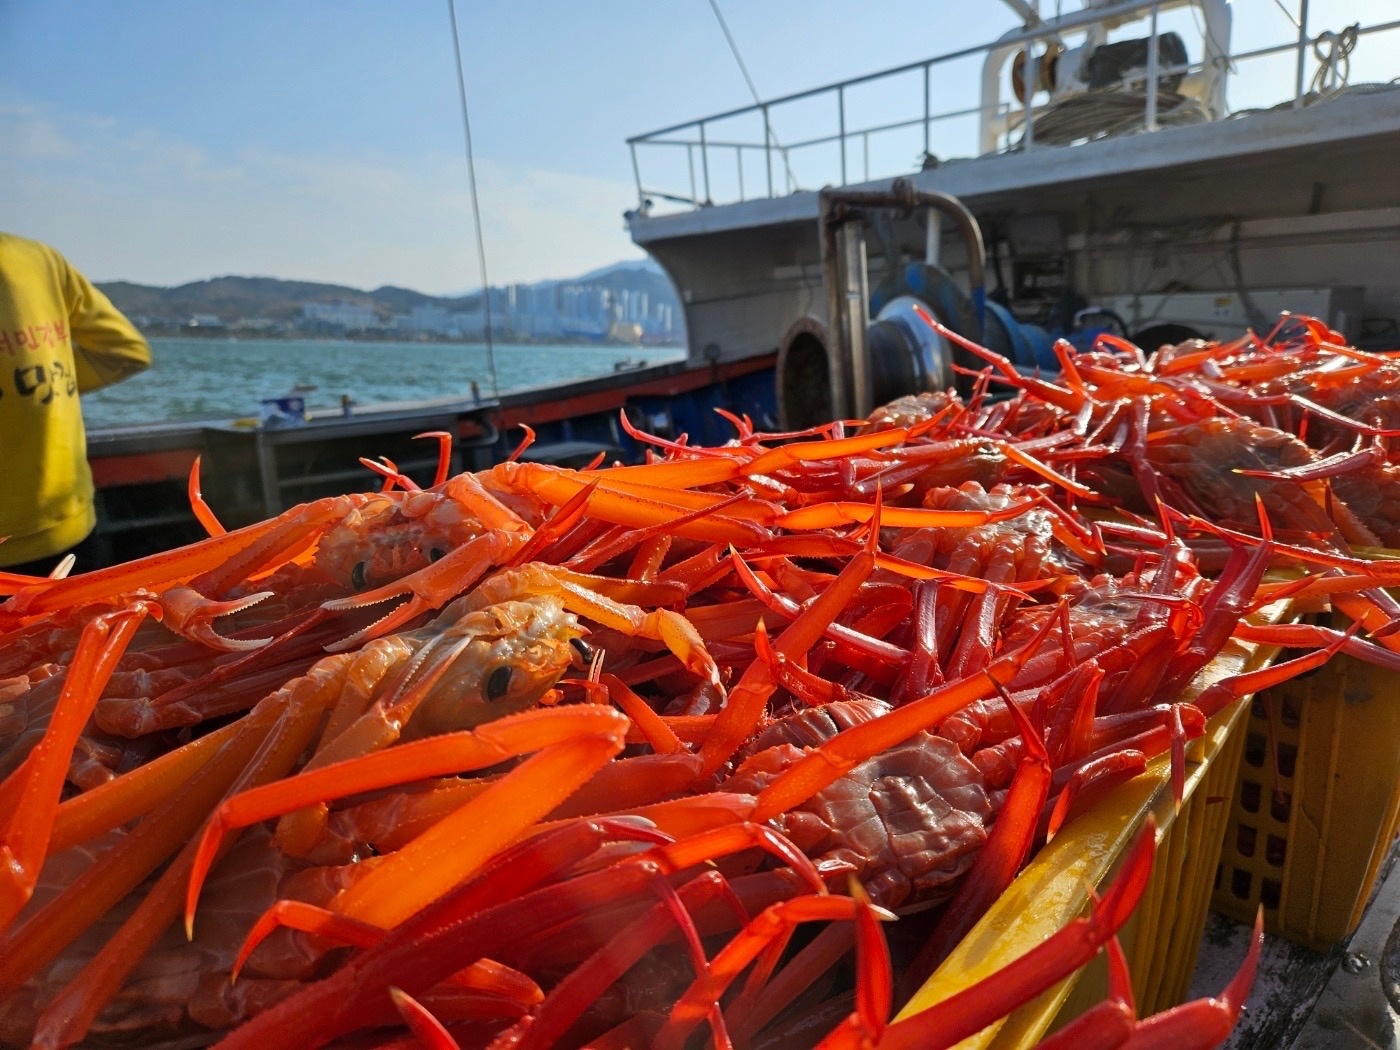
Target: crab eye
{"points": [[436, 554], [583, 652], [498, 682], [357, 574]]}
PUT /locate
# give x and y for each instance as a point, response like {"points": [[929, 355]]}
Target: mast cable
{"points": [[476, 204], [753, 90]]}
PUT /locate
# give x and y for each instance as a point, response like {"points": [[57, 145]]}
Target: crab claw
{"points": [[190, 615]]}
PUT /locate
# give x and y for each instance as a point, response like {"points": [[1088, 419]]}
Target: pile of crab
{"points": [[539, 757]]}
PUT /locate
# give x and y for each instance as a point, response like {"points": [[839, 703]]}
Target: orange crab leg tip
{"points": [[1178, 771], [874, 976], [1035, 743], [307, 918], [208, 848], [1127, 889], [525, 442], [444, 463], [265, 925], [1205, 1022], [426, 1028], [1238, 989], [202, 511]]}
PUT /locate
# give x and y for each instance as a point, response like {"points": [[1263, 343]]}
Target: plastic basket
{"points": [[1308, 831], [1163, 937]]}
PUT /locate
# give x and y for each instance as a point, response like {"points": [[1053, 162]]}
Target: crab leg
{"points": [[46, 596], [134, 794], [850, 639], [748, 698], [843, 752], [1090, 781], [1108, 1024], [485, 975], [531, 862], [619, 540], [585, 983], [1217, 696], [426, 1029], [775, 921], [465, 926], [829, 448], [444, 463], [623, 501], [1298, 635], [1204, 1023], [573, 743], [1198, 1025], [972, 1009], [68, 1017], [202, 511], [832, 515], [36, 785], [268, 742], [1222, 610], [819, 546]]}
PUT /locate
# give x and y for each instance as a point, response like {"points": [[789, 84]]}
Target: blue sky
{"points": [[164, 142]]}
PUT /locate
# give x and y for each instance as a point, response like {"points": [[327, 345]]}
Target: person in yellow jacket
{"points": [[59, 337]]}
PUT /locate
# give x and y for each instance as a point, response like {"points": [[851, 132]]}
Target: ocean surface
{"points": [[228, 379]]}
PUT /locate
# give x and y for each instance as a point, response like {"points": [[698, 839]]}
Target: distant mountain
{"points": [[246, 297], [627, 266], [233, 298], [647, 265]]}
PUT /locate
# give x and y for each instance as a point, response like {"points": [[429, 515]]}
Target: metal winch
{"points": [[843, 368]]}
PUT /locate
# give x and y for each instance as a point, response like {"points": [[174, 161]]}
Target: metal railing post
{"points": [[739, 160], [1302, 53], [1150, 120], [705, 162], [1028, 72], [841, 114], [928, 115], [865, 143], [690, 160], [768, 149], [637, 175]]}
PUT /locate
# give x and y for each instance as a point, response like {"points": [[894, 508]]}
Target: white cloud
{"points": [[127, 203]]}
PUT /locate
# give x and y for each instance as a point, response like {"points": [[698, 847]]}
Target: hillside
{"points": [[236, 298]]}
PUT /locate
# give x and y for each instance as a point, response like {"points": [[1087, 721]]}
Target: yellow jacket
{"points": [[59, 337]]}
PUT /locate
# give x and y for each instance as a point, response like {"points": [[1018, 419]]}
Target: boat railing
{"points": [[758, 151]]}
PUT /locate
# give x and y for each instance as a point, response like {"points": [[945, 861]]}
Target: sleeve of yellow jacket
{"points": [[58, 336], [107, 348]]}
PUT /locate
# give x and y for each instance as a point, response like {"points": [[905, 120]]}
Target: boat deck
{"points": [[1344, 999]]}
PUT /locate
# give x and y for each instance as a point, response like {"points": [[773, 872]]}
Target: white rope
{"points": [[772, 141], [476, 204], [1333, 51]]}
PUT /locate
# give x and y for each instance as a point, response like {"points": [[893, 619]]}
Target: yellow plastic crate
{"points": [[1308, 832], [1163, 937]]}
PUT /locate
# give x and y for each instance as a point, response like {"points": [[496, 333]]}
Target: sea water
{"points": [[193, 379]]}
